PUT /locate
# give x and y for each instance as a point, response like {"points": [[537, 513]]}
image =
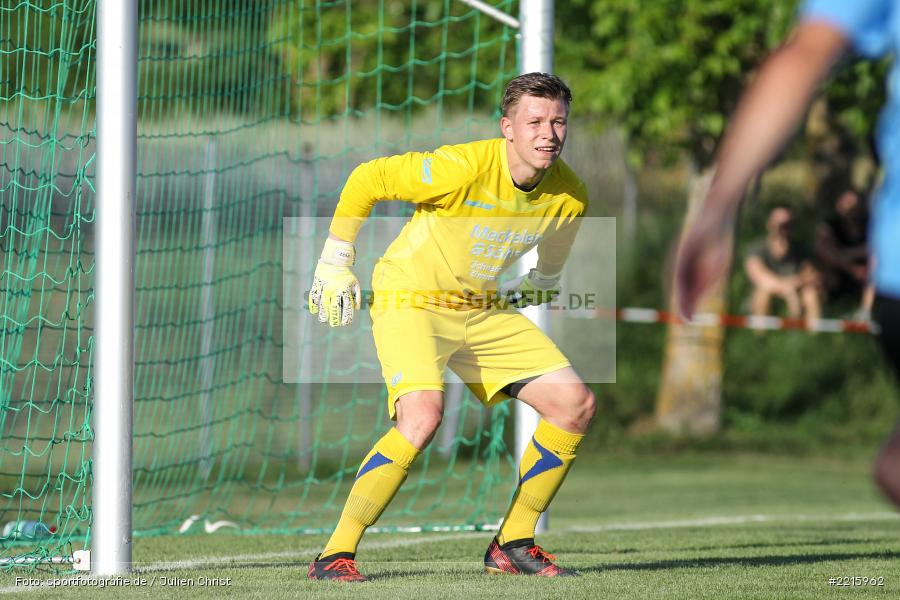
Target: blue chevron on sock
{"points": [[378, 459], [547, 461]]}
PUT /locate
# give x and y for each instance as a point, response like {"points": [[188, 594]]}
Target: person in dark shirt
{"points": [[842, 249], [778, 267]]}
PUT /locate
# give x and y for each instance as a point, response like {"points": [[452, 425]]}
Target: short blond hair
{"points": [[540, 85]]}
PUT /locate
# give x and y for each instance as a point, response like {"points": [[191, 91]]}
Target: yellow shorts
{"points": [[488, 348]]}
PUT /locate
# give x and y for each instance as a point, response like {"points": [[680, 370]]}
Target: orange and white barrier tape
{"points": [[760, 323]]}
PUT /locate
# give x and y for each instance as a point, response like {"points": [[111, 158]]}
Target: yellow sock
{"points": [[544, 465], [382, 472]]}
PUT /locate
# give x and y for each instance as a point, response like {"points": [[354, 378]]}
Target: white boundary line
{"points": [[305, 553]]}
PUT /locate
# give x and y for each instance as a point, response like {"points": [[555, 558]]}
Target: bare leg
{"points": [[812, 304], [887, 467], [419, 415], [760, 301], [562, 399], [868, 298], [793, 304]]}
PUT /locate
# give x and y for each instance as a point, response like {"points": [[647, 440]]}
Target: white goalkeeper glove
{"points": [[531, 289], [335, 291]]}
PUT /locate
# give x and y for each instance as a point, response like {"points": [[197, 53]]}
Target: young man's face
{"points": [[536, 128]]}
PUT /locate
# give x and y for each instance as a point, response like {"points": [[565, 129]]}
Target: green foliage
{"points": [[857, 93], [781, 376], [669, 72]]}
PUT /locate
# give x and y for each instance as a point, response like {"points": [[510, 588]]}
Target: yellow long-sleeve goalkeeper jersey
{"points": [[471, 222]]}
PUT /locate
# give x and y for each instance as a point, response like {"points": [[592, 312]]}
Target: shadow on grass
{"points": [[218, 570], [750, 561]]}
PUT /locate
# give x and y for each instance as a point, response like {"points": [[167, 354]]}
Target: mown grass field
{"points": [[687, 526]]}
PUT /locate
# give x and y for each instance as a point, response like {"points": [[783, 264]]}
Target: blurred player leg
{"points": [[886, 312]]}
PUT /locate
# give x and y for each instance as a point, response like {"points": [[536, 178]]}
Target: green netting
{"points": [[46, 148], [251, 112]]}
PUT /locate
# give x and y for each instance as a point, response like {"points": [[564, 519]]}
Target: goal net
{"points": [[251, 113]]}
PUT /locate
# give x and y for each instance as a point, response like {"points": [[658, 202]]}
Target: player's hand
{"points": [[703, 258], [531, 289], [335, 292]]}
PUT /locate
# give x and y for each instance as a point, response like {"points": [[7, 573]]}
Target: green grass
{"points": [[695, 525]]}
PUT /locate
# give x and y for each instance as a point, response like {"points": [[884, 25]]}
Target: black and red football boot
{"points": [[337, 567], [522, 557]]}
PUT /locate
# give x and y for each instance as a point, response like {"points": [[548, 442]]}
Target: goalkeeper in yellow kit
{"points": [[479, 206]]}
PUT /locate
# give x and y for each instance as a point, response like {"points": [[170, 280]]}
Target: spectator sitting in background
{"points": [[777, 266], [843, 251]]}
